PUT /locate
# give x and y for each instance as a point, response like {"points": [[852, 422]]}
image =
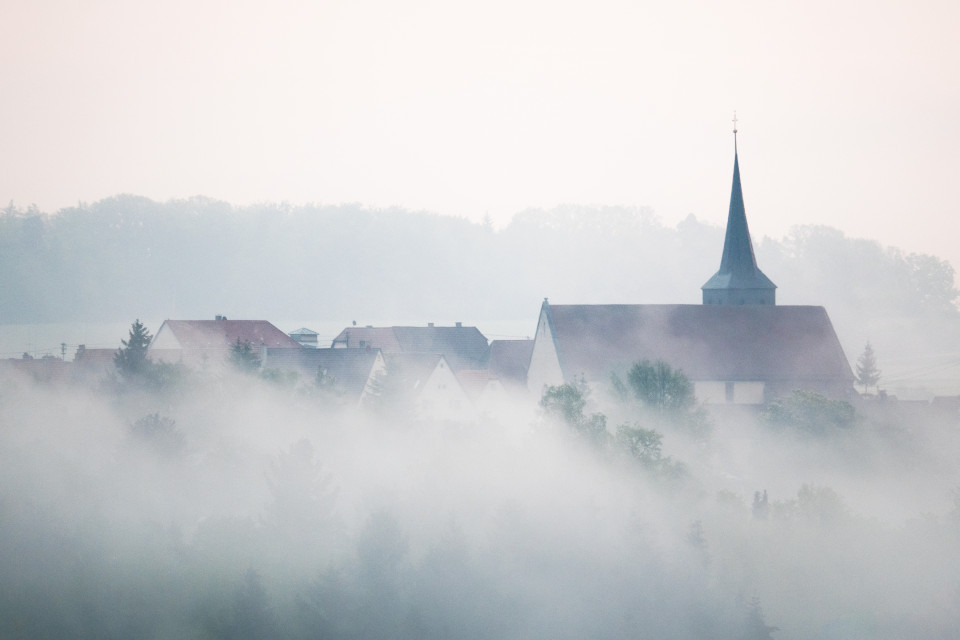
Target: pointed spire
{"points": [[739, 280], [738, 254]]}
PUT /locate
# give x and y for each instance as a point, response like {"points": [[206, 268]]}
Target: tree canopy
{"points": [[660, 387], [131, 359], [666, 396], [243, 357]]}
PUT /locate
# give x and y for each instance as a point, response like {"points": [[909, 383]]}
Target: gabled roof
{"points": [[785, 343], [463, 347], [220, 334], [412, 369], [738, 264], [475, 381], [303, 332], [510, 359], [348, 369]]}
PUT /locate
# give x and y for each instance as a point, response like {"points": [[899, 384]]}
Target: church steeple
{"points": [[739, 280]]}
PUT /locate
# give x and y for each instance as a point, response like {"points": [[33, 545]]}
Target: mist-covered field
{"points": [[233, 507]]}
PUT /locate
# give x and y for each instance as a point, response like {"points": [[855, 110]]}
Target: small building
{"points": [[462, 347], [47, 369], [305, 337], [349, 374], [429, 384], [93, 365], [208, 343]]}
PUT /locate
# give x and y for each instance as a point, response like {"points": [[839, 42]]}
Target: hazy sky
{"points": [[848, 111]]}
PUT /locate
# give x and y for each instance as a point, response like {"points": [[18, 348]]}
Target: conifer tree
{"points": [[131, 359], [867, 372]]}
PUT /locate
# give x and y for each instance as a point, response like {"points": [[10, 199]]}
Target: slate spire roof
{"points": [[739, 280]]}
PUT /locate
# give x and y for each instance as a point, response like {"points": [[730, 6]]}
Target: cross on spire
{"points": [[734, 123]]}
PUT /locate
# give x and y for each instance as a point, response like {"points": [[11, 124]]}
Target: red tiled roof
{"points": [[219, 334]]}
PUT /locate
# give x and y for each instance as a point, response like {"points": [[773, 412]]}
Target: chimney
{"points": [[459, 325], [430, 325]]}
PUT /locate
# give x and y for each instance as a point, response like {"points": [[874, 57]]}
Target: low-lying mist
{"points": [[244, 509]]}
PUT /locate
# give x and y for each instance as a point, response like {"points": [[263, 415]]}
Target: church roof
{"points": [[738, 265], [707, 342]]}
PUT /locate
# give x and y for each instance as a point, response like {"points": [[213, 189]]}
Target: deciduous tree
{"points": [[566, 403], [243, 357]]}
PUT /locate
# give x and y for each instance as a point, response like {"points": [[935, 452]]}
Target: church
{"points": [[737, 347]]}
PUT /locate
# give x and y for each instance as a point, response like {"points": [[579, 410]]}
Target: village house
{"points": [[442, 370], [462, 347], [429, 384], [204, 344], [306, 337], [47, 369], [347, 374], [738, 347], [93, 365]]}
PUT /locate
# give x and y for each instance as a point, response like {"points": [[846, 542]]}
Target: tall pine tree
{"points": [[868, 375], [131, 359]]}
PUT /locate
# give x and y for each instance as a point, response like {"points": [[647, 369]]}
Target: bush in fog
{"points": [[662, 396], [810, 412]]}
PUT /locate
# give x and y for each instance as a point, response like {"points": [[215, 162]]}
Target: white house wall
{"points": [[165, 339], [378, 370], [544, 362], [715, 392], [441, 396], [164, 347]]}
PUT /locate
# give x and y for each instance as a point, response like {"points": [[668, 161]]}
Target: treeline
{"points": [[128, 256]]}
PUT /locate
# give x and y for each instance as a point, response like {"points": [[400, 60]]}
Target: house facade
{"points": [[208, 343], [348, 374], [462, 347]]}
